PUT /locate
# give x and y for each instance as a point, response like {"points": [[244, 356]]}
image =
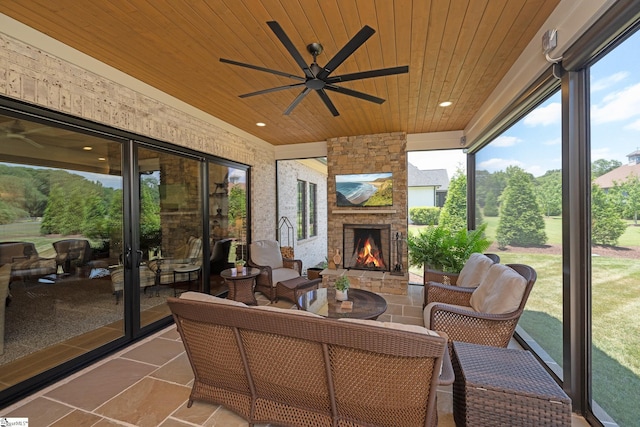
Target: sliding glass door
{"points": [[61, 229]]}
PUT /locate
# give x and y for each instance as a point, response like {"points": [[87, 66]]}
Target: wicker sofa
{"points": [[294, 368]]}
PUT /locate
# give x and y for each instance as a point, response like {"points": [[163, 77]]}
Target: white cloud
{"points": [[496, 164], [634, 125], [544, 116], [617, 106], [505, 141], [536, 170], [606, 82]]}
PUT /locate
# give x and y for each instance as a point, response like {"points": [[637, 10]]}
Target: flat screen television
{"points": [[364, 189]]}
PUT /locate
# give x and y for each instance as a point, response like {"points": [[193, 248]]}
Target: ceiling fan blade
{"points": [[288, 44], [351, 46], [273, 89], [355, 93], [266, 70], [325, 98], [296, 101], [369, 74]]}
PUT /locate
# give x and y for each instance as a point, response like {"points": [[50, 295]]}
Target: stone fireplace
{"points": [[362, 155]]}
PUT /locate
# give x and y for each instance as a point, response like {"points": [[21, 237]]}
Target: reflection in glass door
{"points": [[171, 238], [61, 217]]}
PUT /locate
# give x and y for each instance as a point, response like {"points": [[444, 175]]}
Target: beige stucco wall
{"points": [[30, 74]]}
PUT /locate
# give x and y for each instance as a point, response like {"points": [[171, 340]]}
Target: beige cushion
{"points": [[287, 310], [266, 253], [397, 326], [474, 270], [282, 274], [426, 314], [500, 292], [199, 296]]}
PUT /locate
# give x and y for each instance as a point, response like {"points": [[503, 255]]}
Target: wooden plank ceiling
{"points": [[456, 51]]}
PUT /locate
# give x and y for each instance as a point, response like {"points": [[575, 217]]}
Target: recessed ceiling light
{"points": [[87, 148], [260, 124], [445, 103], [102, 159]]}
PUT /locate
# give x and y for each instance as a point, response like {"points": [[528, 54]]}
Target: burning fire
{"points": [[369, 255]]}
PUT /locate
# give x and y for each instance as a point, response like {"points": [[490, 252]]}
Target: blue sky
{"points": [[534, 142]]}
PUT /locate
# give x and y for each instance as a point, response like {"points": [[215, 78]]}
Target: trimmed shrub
{"points": [[424, 215]]}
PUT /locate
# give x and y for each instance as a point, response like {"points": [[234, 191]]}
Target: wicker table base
{"points": [[505, 387], [241, 286]]}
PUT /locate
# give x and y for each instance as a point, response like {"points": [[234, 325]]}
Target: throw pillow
{"points": [[474, 270], [266, 253], [499, 292]]}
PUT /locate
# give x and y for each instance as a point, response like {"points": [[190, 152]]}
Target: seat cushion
{"points": [[282, 274], [474, 270], [266, 253], [500, 292], [199, 296]]}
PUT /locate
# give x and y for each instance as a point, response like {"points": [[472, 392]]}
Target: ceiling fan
{"points": [[317, 78], [16, 132]]}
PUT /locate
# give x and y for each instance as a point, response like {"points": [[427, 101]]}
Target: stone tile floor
{"points": [[148, 385]]}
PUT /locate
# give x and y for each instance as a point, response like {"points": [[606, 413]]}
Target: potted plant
{"points": [[439, 248], [342, 285], [240, 263]]}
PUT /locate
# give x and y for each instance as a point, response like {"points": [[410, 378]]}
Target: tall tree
{"points": [[521, 221], [602, 166], [606, 224], [631, 190], [549, 192], [454, 212]]}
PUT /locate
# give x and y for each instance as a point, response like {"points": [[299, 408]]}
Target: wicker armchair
{"points": [[450, 309], [265, 255]]}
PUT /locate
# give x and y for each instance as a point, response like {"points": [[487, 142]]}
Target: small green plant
{"points": [[342, 283], [240, 262]]}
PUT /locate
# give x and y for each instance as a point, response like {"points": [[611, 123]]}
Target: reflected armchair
{"points": [[266, 255], [485, 315], [72, 253], [219, 260], [191, 253]]}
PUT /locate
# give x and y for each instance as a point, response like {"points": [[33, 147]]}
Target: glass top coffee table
{"points": [[366, 304]]}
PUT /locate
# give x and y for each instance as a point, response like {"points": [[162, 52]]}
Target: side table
{"points": [[241, 286], [507, 387]]}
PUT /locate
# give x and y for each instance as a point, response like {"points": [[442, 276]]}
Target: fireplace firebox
{"points": [[367, 247]]}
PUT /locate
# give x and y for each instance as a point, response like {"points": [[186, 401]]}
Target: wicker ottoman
{"points": [[291, 289], [505, 387]]}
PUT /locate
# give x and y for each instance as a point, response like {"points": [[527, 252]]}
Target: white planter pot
{"points": [[341, 295]]}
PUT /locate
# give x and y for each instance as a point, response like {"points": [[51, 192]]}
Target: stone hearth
{"points": [[374, 281]]}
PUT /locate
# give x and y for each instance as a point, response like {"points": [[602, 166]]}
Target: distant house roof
{"points": [[618, 175], [428, 178]]}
